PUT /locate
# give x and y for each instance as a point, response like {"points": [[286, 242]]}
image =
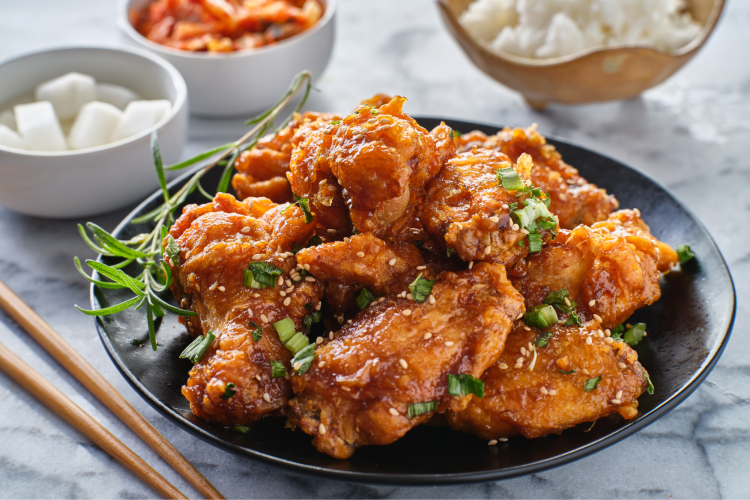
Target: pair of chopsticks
{"points": [[77, 366]]}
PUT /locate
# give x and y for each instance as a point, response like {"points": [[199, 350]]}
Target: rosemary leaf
{"points": [[173, 309], [200, 157], [150, 321], [91, 244], [226, 177], [112, 309], [101, 284], [114, 245], [156, 153], [117, 276]]}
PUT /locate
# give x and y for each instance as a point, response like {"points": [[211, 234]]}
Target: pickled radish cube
{"points": [[10, 138], [115, 95], [7, 119], [94, 125], [140, 115], [67, 93], [38, 125]]}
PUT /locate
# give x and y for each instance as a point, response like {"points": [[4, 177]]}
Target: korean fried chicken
{"points": [[399, 352], [573, 375], [217, 241], [574, 200], [610, 269]]}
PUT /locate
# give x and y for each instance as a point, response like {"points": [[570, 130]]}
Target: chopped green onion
{"points": [[650, 388], [546, 224], [635, 334], [535, 242], [242, 429], [305, 206], [298, 342], [257, 331], [421, 288], [566, 372], [364, 299], [314, 241], [574, 319], [228, 392], [533, 209], [592, 384], [303, 359], [335, 122], [463, 384], [173, 250], [312, 318], [261, 275], [285, 328], [542, 340], [684, 253], [557, 300], [450, 251], [541, 316], [278, 369], [194, 352], [509, 179], [308, 305], [417, 409], [617, 332]]}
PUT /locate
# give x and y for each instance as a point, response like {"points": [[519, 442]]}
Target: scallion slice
{"points": [[194, 352], [635, 334], [364, 299], [278, 369], [535, 242], [257, 331], [242, 429], [540, 316], [557, 300], [228, 392], [650, 388], [261, 275], [416, 409], [509, 179], [566, 372], [617, 332], [305, 206], [285, 328], [542, 340], [463, 384], [592, 384], [684, 253], [421, 288], [574, 319], [303, 359], [312, 318], [298, 342], [173, 250]]}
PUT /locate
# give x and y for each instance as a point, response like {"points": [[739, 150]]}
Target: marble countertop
{"points": [[691, 133]]}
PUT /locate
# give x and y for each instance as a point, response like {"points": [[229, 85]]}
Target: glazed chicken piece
{"points": [[261, 171], [368, 171], [217, 242], [535, 391], [466, 208], [398, 352], [610, 269], [574, 200]]}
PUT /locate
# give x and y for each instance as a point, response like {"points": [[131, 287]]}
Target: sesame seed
{"points": [[245, 230], [592, 303], [257, 377], [618, 395], [487, 250], [307, 267], [495, 218], [392, 262], [331, 231], [589, 341], [319, 340], [615, 401], [222, 289], [250, 313], [264, 318], [449, 343], [427, 336], [600, 334], [432, 299], [567, 301], [358, 137], [289, 284], [257, 256], [321, 364], [409, 296], [520, 360], [347, 389], [609, 340], [297, 366], [280, 281], [526, 328], [505, 206], [523, 351], [360, 254], [622, 365], [266, 397], [585, 371], [256, 295], [317, 306], [503, 440], [524, 231], [518, 365], [515, 227], [393, 412], [471, 264], [330, 335], [598, 318], [309, 279], [340, 319], [282, 293], [385, 120], [421, 268], [322, 429], [607, 332], [544, 391], [348, 322], [287, 301], [492, 442], [502, 366], [552, 392], [406, 312], [381, 299], [403, 363]]}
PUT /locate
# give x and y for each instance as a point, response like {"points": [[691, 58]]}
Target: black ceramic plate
{"points": [[688, 328]]}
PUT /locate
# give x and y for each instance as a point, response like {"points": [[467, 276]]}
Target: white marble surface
{"points": [[692, 133]]}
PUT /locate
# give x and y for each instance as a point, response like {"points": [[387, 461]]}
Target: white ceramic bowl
{"points": [[97, 180], [246, 82]]}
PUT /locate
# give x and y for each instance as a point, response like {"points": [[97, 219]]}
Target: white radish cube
{"points": [[94, 125], [10, 138], [139, 116], [39, 127], [67, 93], [7, 119], [115, 95]]}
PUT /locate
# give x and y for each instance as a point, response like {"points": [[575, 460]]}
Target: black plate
{"points": [[688, 327]]}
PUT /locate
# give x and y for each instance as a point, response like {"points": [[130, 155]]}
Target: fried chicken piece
{"points": [[377, 100], [552, 396], [374, 163], [275, 188], [574, 200], [399, 352], [610, 269], [217, 242], [467, 209]]}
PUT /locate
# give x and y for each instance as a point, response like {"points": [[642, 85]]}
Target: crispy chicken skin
{"points": [[466, 208], [574, 200], [217, 241], [610, 269], [399, 352], [543, 400]]}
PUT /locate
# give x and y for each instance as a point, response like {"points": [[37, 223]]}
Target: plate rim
{"points": [[422, 479]]}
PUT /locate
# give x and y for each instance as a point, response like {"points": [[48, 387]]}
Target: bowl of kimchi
{"points": [[233, 54]]}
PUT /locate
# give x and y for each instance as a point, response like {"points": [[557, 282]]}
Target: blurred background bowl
{"points": [[97, 180], [595, 75], [245, 82]]}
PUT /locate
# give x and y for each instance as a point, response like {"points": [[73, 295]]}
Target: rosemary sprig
{"points": [[145, 250]]}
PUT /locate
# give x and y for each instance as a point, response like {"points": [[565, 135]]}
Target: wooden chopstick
{"points": [[32, 382], [74, 363]]}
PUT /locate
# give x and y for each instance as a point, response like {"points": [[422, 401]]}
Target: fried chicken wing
{"points": [[610, 269], [574, 200], [535, 391], [466, 208], [399, 352], [217, 242]]}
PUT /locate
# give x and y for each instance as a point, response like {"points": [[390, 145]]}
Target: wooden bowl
{"points": [[594, 75]]}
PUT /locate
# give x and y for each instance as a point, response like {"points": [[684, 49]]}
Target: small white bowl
{"points": [[97, 180], [244, 82]]}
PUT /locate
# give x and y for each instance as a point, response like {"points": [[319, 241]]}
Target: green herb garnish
{"points": [[261, 275], [566, 372], [540, 316], [278, 369], [509, 179], [421, 288], [684, 253], [242, 429], [364, 299], [228, 392], [312, 318], [635, 334], [257, 331], [173, 250], [416, 409], [650, 388], [450, 251], [542, 340], [463, 384], [557, 300], [303, 359], [194, 352], [574, 319], [592, 384], [292, 340]]}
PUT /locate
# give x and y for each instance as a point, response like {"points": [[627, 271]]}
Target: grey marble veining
{"points": [[692, 133]]}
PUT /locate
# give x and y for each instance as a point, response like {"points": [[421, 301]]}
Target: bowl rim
{"points": [[123, 22], [180, 100], [693, 45]]}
